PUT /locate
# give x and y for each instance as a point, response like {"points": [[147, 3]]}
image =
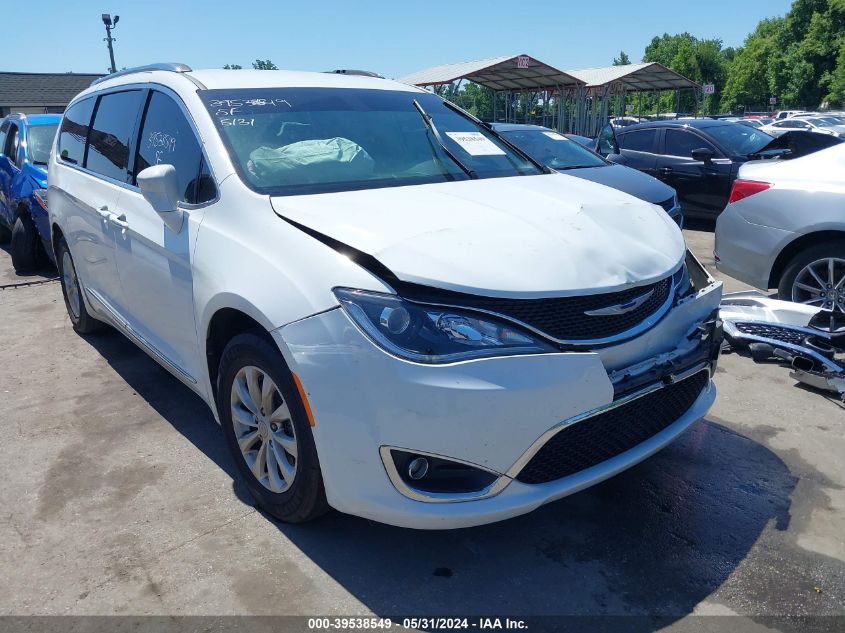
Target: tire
{"points": [[82, 321], [5, 232], [796, 271], [298, 496], [24, 245]]}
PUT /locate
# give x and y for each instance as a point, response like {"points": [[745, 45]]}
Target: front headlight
{"points": [[434, 334]]}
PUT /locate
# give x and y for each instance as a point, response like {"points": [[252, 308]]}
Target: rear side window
{"points": [[167, 138], [638, 140], [74, 131], [680, 143], [111, 133]]}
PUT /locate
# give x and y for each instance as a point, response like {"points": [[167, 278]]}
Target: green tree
{"points": [[264, 64], [797, 58], [836, 95], [703, 61], [232, 67], [622, 60]]}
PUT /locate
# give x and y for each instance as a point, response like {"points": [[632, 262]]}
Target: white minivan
{"points": [[390, 309]]}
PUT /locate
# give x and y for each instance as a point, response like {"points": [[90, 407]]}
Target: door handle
{"points": [[104, 212], [120, 220], [665, 171]]}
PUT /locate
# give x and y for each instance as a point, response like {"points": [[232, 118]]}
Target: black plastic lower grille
{"points": [[774, 332], [606, 435]]}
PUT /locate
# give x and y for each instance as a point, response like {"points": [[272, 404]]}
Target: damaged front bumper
{"points": [[499, 420]]}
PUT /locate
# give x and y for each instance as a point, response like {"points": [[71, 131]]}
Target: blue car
{"points": [[25, 143]]}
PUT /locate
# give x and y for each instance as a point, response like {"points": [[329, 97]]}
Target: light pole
{"points": [[109, 39]]}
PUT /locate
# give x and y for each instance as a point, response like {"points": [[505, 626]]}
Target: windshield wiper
{"points": [[430, 125], [501, 137], [568, 167]]}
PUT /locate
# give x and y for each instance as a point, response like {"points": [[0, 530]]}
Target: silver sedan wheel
{"points": [[822, 284], [264, 429], [71, 284]]}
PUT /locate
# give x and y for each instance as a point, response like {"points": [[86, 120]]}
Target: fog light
{"points": [[418, 468], [427, 473]]}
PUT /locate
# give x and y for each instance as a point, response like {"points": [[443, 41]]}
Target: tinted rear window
{"points": [[74, 130], [111, 132], [638, 140]]}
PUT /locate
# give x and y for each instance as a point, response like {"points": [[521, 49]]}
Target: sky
{"points": [[392, 38]]}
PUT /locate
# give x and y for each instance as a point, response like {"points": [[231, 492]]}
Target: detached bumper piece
{"points": [[810, 340], [628, 422]]}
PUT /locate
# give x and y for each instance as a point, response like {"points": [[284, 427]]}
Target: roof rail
{"points": [[168, 66], [362, 73]]}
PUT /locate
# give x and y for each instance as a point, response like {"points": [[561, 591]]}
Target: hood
{"points": [[37, 172], [523, 236], [629, 180]]}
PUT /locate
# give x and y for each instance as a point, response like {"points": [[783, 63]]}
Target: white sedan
{"points": [[831, 125], [784, 228]]}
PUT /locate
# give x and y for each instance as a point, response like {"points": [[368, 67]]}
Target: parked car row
{"points": [[700, 158], [390, 307]]}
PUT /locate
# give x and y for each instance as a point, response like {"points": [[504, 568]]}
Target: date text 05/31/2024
{"points": [[425, 623]]}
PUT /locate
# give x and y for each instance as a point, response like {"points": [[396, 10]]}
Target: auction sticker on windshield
{"points": [[475, 143], [555, 136]]}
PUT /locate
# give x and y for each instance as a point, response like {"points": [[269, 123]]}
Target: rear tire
{"points": [[5, 233], [798, 283], [24, 245], [82, 321], [260, 410]]}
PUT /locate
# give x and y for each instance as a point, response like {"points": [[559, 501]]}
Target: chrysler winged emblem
{"points": [[621, 308]]}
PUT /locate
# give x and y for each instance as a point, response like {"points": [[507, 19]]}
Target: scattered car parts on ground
{"points": [[810, 340]]}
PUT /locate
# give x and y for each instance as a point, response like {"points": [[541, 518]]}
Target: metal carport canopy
{"points": [[634, 77], [513, 72]]}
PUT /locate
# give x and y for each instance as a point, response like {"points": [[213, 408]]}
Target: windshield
{"points": [[825, 121], [553, 150], [288, 141], [39, 141], [739, 140]]}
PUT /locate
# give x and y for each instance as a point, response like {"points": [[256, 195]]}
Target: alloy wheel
{"points": [[264, 429], [71, 284], [822, 284]]}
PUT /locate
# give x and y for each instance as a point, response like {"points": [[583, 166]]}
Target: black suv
{"points": [[699, 158]]}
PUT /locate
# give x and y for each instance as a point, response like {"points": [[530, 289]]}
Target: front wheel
{"points": [[267, 430], [24, 245]]}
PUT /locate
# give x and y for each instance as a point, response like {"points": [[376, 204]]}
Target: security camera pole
{"points": [[109, 39]]}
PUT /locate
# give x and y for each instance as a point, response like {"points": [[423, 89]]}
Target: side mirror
{"points": [[606, 143], [160, 187], [619, 159], [703, 154]]}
